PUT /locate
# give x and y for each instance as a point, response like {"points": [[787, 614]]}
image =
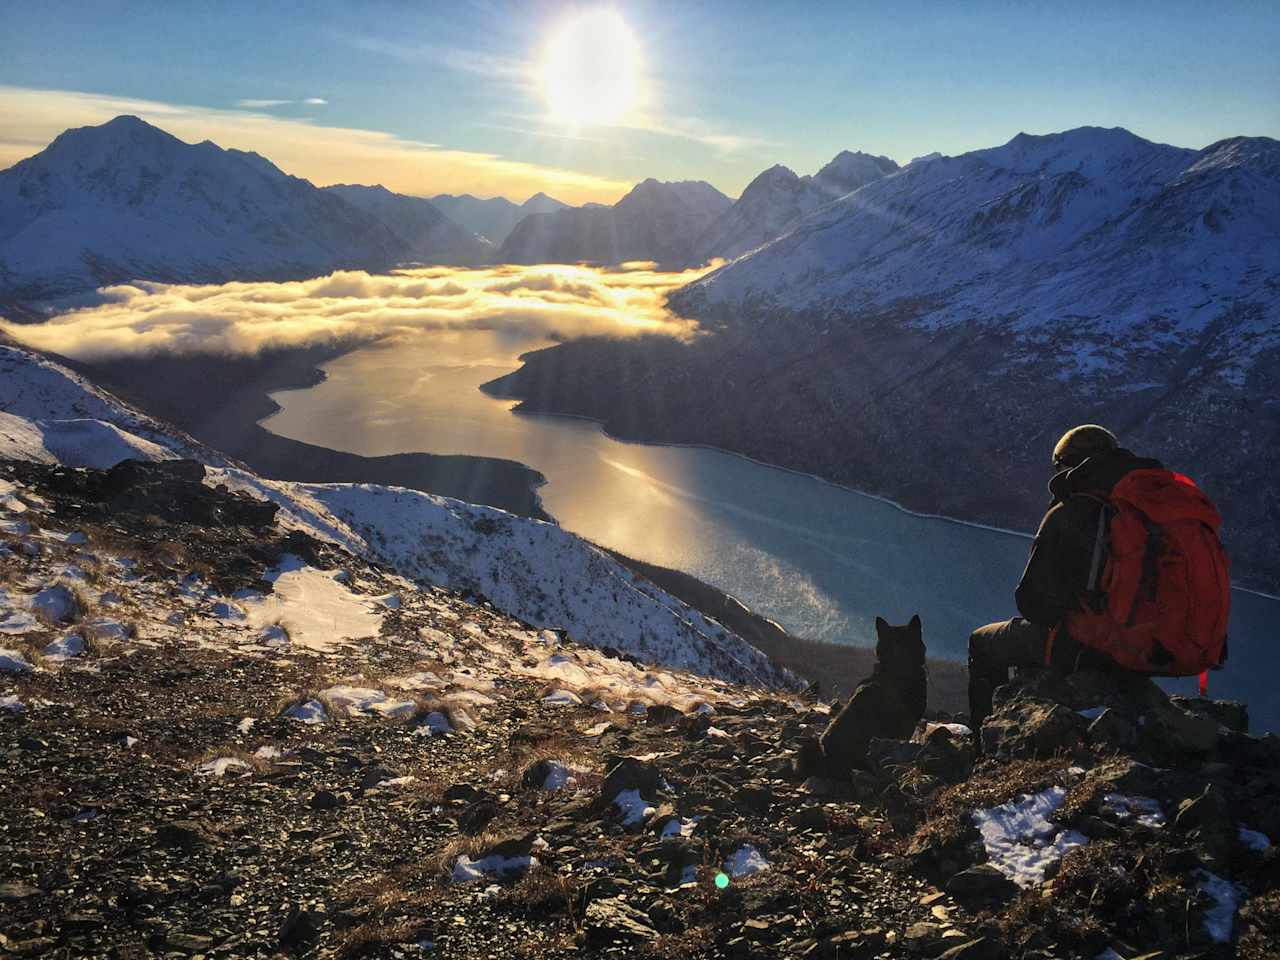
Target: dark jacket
{"points": [[1058, 569]]}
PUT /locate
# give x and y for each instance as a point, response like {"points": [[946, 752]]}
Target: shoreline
{"points": [[975, 524]]}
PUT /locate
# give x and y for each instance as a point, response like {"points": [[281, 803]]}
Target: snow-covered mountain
{"points": [[655, 221], [496, 217], [1095, 225], [428, 235], [930, 334], [529, 569], [775, 200], [126, 200]]}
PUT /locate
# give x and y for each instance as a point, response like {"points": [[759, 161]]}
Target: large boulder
{"points": [[1028, 727]]}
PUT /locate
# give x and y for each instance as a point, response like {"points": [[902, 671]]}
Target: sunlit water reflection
{"points": [[821, 560]]}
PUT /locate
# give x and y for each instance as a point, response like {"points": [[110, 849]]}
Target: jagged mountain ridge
{"points": [[778, 198], [427, 234], [494, 218], [929, 336], [655, 221], [126, 200]]}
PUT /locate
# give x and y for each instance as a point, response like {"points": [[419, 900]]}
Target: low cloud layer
{"points": [[538, 302]]}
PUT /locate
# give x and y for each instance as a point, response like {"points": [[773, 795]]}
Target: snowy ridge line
{"points": [[45, 393], [514, 560]]}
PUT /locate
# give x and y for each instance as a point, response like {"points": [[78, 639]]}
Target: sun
{"points": [[591, 69]]}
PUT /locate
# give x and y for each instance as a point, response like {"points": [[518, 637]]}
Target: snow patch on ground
{"points": [[1020, 840], [11, 661], [16, 622], [434, 723], [365, 701], [309, 711], [221, 766], [1220, 918], [1254, 840], [1145, 810], [745, 862], [633, 808], [64, 648], [563, 698], [316, 610], [466, 870], [11, 704]]}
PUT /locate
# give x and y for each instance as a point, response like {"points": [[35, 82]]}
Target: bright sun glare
{"points": [[591, 69]]}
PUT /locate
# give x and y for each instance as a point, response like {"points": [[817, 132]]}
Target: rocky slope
{"points": [[929, 335], [125, 201], [427, 235], [496, 217], [226, 736], [778, 199], [656, 221], [530, 568]]}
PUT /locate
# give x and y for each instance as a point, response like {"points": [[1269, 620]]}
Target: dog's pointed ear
{"points": [[915, 622], [881, 624]]}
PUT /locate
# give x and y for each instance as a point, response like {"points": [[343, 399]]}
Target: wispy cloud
{"points": [[561, 302], [267, 104], [322, 154], [700, 131], [509, 71]]}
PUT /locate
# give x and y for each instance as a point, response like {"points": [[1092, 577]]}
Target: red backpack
{"points": [[1159, 589]]}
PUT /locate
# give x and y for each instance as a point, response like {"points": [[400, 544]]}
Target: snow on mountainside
{"points": [[495, 218], [655, 221], [125, 201], [778, 198], [1101, 226], [526, 568], [50, 414], [427, 234]]}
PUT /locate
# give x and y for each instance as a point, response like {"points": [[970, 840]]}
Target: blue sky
{"points": [[446, 94]]}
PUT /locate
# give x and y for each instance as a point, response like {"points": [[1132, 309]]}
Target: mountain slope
{"points": [[126, 200], [929, 335], [427, 235], [266, 744], [655, 221], [495, 218], [530, 569]]}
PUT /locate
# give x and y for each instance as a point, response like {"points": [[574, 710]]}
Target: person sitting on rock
{"points": [[1068, 570]]}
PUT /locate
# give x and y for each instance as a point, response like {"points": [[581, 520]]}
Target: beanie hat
{"points": [[1080, 443]]}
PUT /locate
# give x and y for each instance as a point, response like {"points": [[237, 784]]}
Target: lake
{"points": [[821, 560]]}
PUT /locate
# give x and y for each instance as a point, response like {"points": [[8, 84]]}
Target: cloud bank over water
{"points": [[547, 301]]}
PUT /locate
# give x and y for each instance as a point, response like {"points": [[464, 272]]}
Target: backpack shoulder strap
{"points": [[1105, 510]]}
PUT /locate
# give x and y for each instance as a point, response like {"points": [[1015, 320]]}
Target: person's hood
{"points": [[1100, 473]]}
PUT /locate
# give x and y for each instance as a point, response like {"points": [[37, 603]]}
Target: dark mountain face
{"points": [[930, 335], [425, 233], [655, 221], [495, 218]]}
